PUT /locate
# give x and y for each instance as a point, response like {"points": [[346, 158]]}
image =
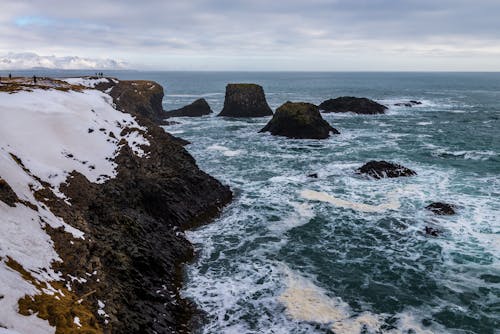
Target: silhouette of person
{"points": [[10, 76], [34, 79]]}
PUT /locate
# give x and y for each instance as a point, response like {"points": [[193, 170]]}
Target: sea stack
{"points": [[358, 105], [299, 120], [198, 108], [245, 100]]}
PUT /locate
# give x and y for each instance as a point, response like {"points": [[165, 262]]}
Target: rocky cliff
{"points": [[113, 227]]}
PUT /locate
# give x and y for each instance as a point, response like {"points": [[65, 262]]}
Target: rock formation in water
{"points": [[440, 208], [352, 104], [299, 120], [198, 108], [408, 104], [382, 169], [245, 100], [124, 276]]}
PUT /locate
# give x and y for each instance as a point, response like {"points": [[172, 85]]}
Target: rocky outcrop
{"points": [[198, 108], [352, 104], [134, 246], [245, 100], [7, 195], [440, 208], [382, 169], [408, 104], [137, 97], [299, 120]]}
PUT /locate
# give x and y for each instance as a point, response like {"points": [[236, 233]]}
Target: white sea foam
{"points": [[392, 204], [225, 150]]}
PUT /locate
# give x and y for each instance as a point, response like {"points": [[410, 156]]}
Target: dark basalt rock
{"points": [[358, 105], [431, 231], [7, 195], [137, 97], [313, 175], [409, 104], [198, 108], [299, 120], [440, 208], [245, 100], [381, 169], [133, 228]]}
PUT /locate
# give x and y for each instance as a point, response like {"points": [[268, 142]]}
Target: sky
{"points": [[260, 35]]}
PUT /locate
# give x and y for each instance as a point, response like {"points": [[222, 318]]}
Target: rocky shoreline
{"points": [[124, 276]]}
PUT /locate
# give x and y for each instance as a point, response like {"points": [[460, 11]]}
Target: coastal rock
{"points": [[137, 97], [432, 231], [382, 169], [245, 100], [440, 208], [198, 108], [409, 104], [352, 104], [299, 120]]}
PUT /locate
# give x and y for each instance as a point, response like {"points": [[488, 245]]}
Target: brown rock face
{"points": [[7, 195], [358, 105], [245, 100], [299, 120], [198, 108], [137, 97]]}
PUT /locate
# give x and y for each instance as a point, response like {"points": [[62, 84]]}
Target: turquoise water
{"points": [[276, 262], [378, 269]]}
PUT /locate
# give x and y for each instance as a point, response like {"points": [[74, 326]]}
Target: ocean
{"points": [[277, 261]]}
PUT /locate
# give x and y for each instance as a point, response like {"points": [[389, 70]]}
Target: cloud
{"points": [[20, 61], [162, 34]]}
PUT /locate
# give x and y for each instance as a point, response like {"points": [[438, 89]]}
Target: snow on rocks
{"points": [[90, 82], [44, 136]]}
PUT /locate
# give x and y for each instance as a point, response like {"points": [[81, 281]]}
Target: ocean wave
{"points": [[466, 155], [225, 150]]}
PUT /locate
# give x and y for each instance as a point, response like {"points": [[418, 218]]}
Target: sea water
{"points": [[342, 253]]}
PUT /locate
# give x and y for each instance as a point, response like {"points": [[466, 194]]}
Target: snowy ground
{"points": [[53, 133]]}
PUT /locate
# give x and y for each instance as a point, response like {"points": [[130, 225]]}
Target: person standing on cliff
{"points": [[34, 79], [10, 76]]}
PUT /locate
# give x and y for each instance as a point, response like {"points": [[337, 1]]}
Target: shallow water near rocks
{"points": [[342, 253]]}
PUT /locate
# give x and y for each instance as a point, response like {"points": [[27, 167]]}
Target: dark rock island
{"points": [[198, 108], [440, 208], [299, 120], [382, 169], [358, 105], [245, 100]]}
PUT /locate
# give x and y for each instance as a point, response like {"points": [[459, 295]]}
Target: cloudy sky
{"points": [[259, 34]]}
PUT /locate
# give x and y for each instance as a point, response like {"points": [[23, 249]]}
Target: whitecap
{"points": [[225, 150]]}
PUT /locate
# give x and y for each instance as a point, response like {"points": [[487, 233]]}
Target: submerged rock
{"points": [[313, 175], [381, 169], [299, 120], [440, 208], [358, 105], [432, 231], [245, 100], [198, 108], [410, 103]]}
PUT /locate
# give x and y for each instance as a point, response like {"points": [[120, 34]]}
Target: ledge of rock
{"points": [[299, 120], [358, 105], [198, 108], [382, 169], [137, 97], [440, 208], [245, 100]]}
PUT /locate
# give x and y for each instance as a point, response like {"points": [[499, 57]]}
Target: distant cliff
{"points": [[94, 199]]}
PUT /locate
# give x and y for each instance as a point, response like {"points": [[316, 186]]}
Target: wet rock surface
{"points": [[245, 100], [358, 105], [198, 108], [134, 245], [440, 208], [382, 169], [299, 120], [409, 104]]}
